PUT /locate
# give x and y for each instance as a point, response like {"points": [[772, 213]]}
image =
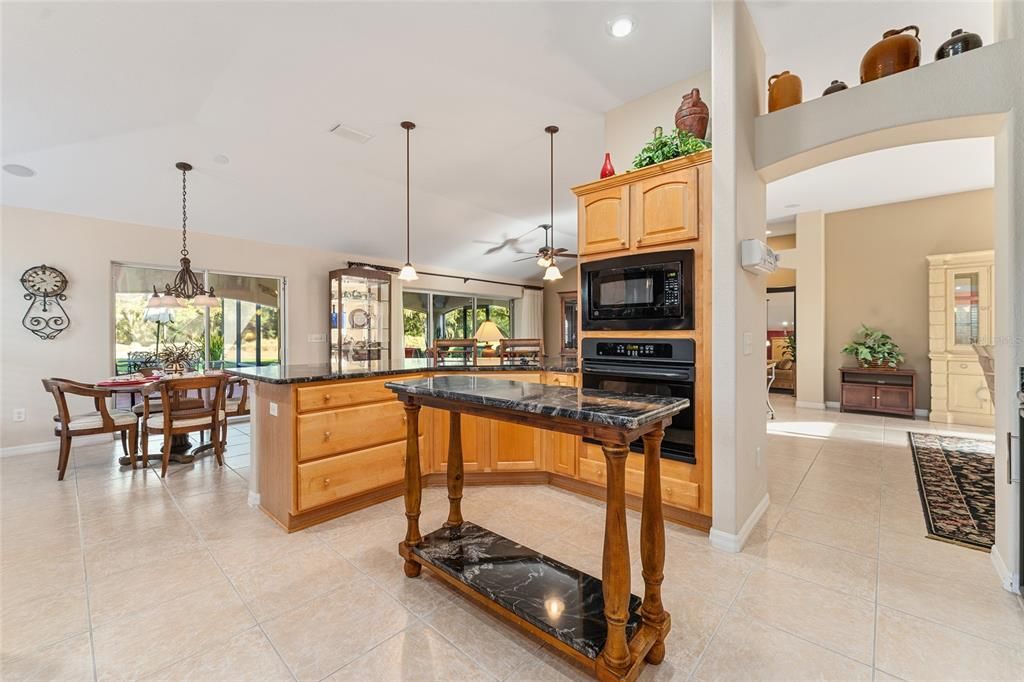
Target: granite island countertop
{"points": [[307, 373], [619, 410]]}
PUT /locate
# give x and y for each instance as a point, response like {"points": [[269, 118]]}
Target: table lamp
{"points": [[489, 333]]}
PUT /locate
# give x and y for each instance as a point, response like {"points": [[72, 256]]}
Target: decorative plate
{"points": [[359, 318]]}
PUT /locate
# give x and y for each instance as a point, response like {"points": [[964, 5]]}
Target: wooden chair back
{"points": [[237, 386], [520, 351], [60, 389], [464, 351], [177, 405]]}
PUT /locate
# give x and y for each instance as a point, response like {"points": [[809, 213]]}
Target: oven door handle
{"points": [[658, 374]]}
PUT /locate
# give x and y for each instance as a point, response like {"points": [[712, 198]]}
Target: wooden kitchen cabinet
{"points": [[329, 480], [663, 209], [476, 442], [604, 220], [515, 447]]}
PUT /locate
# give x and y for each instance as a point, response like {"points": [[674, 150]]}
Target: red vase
{"points": [[607, 170]]}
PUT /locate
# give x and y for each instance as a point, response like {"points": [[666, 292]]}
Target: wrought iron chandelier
{"points": [[187, 285]]}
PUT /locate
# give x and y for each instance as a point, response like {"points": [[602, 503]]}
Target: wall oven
{"points": [[647, 366], [643, 291]]}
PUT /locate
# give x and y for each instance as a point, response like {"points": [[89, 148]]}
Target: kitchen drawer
{"points": [[355, 428], [966, 367], [674, 491], [560, 379], [336, 478], [593, 471], [344, 394]]}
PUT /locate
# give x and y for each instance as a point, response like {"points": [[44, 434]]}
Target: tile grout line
{"points": [[85, 573]]}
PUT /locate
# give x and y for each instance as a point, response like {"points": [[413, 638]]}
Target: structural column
{"points": [[615, 563], [413, 485], [454, 469]]}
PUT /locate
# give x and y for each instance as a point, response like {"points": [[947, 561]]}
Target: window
{"points": [[432, 316], [243, 330]]}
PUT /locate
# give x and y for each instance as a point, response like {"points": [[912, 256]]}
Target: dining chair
{"points": [[180, 414], [461, 351], [236, 402], [520, 351], [101, 420]]}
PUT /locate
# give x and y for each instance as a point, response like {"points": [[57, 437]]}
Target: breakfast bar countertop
{"points": [[323, 371], [620, 410]]}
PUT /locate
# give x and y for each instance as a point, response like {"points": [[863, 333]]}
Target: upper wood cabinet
{"points": [[648, 208], [663, 209], [604, 220]]}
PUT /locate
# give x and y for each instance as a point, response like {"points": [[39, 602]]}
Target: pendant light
{"points": [[408, 272], [187, 286], [552, 272]]}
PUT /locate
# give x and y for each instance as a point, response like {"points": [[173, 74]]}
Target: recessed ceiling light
{"points": [[620, 27], [222, 159], [19, 170], [767, 231], [791, 206]]}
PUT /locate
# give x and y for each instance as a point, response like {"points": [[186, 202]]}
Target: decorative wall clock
{"points": [[45, 317]]}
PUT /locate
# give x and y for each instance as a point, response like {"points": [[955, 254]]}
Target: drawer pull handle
{"points": [[327, 435], [327, 397], [327, 482], [963, 365]]}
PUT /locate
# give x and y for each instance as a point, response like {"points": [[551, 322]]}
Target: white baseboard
{"points": [[733, 542], [53, 444], [834, 405], [808, 405], [1010, 581]]}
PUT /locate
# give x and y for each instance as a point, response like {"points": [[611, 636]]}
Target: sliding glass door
{"points": [[431, 316], [244, 330]]}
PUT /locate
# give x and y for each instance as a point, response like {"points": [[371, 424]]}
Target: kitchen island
{"points": [[597, 622]]}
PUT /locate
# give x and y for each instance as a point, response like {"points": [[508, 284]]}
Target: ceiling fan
{"points": [[507, 242], [546, 255]]}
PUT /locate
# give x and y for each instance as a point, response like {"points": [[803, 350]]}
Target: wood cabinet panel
{"points": [[344, 394], [355, 428], [336, 478], [894, 399], [675, 490], [664, 209], [476, 442], [604, 220], [857, 397], [968, 393], [561, 379], [561, 452], [515, 447]]}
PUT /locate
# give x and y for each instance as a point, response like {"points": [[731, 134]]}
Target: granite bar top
{"points": [[306, 373], [619, 410]]}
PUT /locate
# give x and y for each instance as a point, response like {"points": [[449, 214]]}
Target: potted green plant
{"points": [[667, 147], [875, 348], [789, 348]]}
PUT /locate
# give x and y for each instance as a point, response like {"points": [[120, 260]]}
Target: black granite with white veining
{"points": [[558, 599], [620, 410], [307, 373]]}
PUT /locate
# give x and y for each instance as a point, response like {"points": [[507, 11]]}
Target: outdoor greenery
{"points": [[457, 322], [790, 346], [875, 348], [666, 147]]}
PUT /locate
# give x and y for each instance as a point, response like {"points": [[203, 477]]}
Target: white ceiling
{"points": [[101, 99], [822, 41]]}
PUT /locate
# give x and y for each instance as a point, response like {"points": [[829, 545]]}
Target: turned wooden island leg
{"points": [[413, 485], [615, 562], [652, 543], [454, 469]]}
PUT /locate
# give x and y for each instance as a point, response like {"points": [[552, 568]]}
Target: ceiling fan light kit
{"points": [[408, 272], [547, 254]]}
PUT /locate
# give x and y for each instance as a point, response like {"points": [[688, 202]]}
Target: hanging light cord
{"points": [[551, 134], [184, 216], [408, 213]]}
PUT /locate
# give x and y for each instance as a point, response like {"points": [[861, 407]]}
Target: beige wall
{"points": [[83, 248], [629, 127], [876, 272], [553, 309]]}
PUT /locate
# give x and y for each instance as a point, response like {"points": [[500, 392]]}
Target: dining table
{"points": [[182, 449]]}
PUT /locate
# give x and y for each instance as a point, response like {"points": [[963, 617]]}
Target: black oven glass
{"points": [[647, 291], [678, 443]]}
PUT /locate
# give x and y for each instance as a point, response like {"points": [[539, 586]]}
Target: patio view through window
{"points": [[431, 316]]}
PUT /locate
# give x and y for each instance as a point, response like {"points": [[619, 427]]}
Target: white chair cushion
{"points": [[156, 422], [231, 406], [93, 420], [154, 406]]}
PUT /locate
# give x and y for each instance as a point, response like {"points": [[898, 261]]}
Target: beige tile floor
{"points": [[115, 574]]}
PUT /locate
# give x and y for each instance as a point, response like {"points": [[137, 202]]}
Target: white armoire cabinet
{"points": [[960, 314]]}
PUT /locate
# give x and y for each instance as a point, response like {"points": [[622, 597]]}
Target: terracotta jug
{"points": [[895, 52], [784, 90], [692, 115]]}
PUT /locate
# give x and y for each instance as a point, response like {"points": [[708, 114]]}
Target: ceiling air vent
{"points": [[350, 134]]}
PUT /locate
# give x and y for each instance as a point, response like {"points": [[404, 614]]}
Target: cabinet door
{"points": [[515, 447], [968, 393], [663, 209], [476, 442], [604, 220], [894, 399], [968, 309], [858, 397], [561, 452]]}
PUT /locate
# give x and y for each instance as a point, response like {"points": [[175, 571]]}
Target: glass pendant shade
{"points": [[552, 273], [206, 300], [544, 261], [162, 301], [408, 273]]}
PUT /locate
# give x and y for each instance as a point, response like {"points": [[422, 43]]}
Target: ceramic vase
{"points": [[958, 43], [784, 90], [896, 51], [607, 170], [692, 115]]}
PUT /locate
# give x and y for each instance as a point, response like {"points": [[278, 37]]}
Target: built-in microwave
{"points": [[643, 291]]}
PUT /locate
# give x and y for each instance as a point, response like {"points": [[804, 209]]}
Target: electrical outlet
{"points": [[273, 409], [317, 338], [19, 414]]}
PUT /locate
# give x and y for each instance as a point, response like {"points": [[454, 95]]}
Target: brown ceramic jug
{"points": [[784, 90], [895, 52], [692, 115]]}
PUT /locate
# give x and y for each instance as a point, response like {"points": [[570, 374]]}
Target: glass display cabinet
{"points": [[360, 314]]}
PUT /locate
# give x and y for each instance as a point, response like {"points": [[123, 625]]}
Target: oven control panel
{"points": [[633, 350], [671, 350]]}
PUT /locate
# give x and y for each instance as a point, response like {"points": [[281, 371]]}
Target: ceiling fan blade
{"points": [[568, 255], [494, 249], [518, 260]]}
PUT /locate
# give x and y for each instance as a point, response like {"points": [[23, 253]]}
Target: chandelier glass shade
{"points": [[187, 286], [408, 272], [552, 273]]}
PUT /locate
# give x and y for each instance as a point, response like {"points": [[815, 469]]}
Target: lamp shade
{"points": [[552, 273], [488, 332], [408, 273]]}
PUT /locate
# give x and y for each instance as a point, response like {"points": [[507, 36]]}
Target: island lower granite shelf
{"points": [[598, 623]]}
